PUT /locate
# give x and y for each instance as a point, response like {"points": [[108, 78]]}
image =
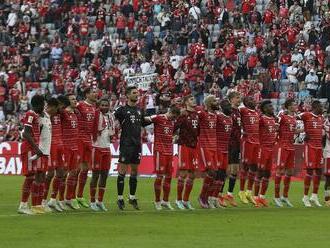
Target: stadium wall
{"points": [[10, 161]]}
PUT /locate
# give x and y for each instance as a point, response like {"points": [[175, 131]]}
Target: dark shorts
{"points": [[234, 155], [130, 155]]}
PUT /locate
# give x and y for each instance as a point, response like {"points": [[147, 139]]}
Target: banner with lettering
{"points": [[10, 161], [141, 81]]}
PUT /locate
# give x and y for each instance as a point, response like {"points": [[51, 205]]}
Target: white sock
{"points": [[314, 195], [132, 197], [327, 193], [262, 196], [120, 197], [230, 193]]}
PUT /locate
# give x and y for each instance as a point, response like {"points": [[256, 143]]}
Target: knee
{"points": [[221, 175], [309, 172], [211, 173], [267, 174], [50, 174], [318, 172], [253, 168]]}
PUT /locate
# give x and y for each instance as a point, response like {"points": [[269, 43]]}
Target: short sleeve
{"points": [[303, 116], [29, 119], [155, 118]]}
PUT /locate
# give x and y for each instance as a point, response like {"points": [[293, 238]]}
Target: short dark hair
{"points": [[315, 102], [65, 99], [52, 102], [129, 89], [62, 99], [103, 99], [37, 100], [174, 109], [288, 103], [87, 91], [263, 104]]}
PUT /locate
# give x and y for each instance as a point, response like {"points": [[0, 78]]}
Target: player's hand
{"points": [[39, 152], [306, 137]]}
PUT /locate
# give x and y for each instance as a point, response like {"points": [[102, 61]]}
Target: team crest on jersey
{"points": [[30, 119], [73, 124], [89, 117], [56, 120], [132, 118], [211, 124], [227, 128], [194, 123], [166, 130]]}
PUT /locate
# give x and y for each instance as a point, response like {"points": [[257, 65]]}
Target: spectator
{"points": [[291, 72], [312, 82]]}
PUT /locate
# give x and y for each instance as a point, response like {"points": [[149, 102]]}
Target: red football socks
{"points": [[316, 183], [251, 176], [278, 179], [307, 183], [264, 185], [61, 189], [92, 193], [26, 189], [188, 188], [166, 188], [41, 192], [242, 179], [208, 180], [158, 188], [179, 187], [34, 193], [101, 194], [82, 183], [256, 186], [71, 187], [46, 188], [287, 180], [217, 187], [55, 188]]}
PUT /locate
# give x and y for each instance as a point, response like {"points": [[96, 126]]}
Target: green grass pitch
{"points": [[244, 226]]}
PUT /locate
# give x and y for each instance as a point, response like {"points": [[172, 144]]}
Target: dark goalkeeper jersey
{"points": [[131, 120]]}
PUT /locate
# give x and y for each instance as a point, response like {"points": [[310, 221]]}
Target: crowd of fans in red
{"points": [[266, 48]]}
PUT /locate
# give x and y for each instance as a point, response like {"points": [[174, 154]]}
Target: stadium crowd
{"points": [[273, 49]]}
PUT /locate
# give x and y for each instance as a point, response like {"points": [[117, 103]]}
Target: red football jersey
{"points": [[189, 129], [163, 134], [70, 130], [31, 119], [86, 115], [56, 130], [250, 124], [236, 129], [208, 124], [287, 131], [268, 133], [313, 125], [224, 129]]}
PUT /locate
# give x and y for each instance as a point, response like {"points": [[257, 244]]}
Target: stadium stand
{"points": [[270, 49]]}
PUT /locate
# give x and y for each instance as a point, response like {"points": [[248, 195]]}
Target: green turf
{"points": [[233, 227]]}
